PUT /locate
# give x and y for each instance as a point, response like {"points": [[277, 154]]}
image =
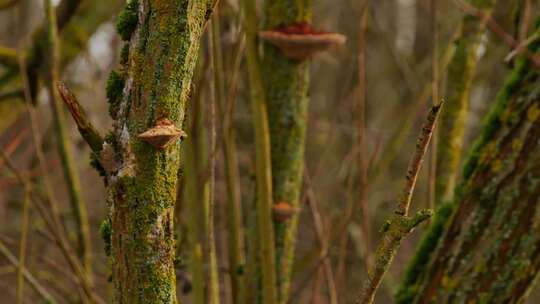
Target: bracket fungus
{"points": [[283, 211], [301, 41], [162, 134]]}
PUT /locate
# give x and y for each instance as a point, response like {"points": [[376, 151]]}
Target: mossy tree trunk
{"points": [[164, 39], [482, 248], [286, 85], [461, 71]]}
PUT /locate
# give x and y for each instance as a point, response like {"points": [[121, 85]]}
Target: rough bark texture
{"points": [[286, 84], [481, 248], [163, 47], [461, 71]]}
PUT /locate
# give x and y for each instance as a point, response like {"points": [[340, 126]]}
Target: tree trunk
{"points": [[286, 85], [481, 248], [461, 71], [142, 176]]}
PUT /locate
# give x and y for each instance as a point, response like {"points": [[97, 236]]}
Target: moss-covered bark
{"points": [[481, 249], [163, 47], [286, 84], [461, 71]]}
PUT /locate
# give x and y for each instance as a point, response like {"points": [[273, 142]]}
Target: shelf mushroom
{"points": [[282, 211], [301, 41], [162, 134]]}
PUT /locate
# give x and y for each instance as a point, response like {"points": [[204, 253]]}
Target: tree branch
{"points": [[496, 29], [400, 224], [87, 130]]}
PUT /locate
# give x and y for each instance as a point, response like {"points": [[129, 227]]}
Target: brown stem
{"points": [[87, 130]]}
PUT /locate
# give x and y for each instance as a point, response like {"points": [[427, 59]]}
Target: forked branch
{"points": [[400, 224]]}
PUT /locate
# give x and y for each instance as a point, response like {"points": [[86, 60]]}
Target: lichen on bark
{"points": [[163, 49], [286, 84]]}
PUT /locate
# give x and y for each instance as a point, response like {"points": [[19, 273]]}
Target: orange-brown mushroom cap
{"points": [[162, 134], [301, 42], [283, 211]]}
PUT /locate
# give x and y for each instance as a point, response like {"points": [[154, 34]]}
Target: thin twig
{"points": [[22, 245], [57, 231], [322, 239], [263, 163], [400, 224], [225, 105], [432, 166], [213, 277], [78, 205], [495, 28], [27, 275], [414, 166], [54, 223]]}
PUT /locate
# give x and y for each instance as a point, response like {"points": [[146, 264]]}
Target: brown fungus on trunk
{"points": [[283, 211], [162, 134], [300, 41]]}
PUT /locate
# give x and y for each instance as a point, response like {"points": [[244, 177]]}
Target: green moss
{"points": [[124, 54], [114, 89], [497, 116], [105, 230], [493, 119], [422, 256], [127, 20]]}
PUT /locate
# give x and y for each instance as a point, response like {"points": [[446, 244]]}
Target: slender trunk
{"points": [[496, 207], [234, 212], [286, 85], [460, 74], [143, 152], [266, 255], [78, 206]]}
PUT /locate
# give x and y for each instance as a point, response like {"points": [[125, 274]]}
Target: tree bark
{"points": [[286, 84], [481, 249], [460, 75], [164, 39]]}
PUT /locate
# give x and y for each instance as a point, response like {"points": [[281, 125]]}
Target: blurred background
{"points": [[398, 71]]}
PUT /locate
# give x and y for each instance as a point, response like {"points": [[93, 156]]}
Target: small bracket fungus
{"points": [[162, 134], [283, 211], [301, 41]]}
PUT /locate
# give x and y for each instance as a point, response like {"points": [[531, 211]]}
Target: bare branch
{"points": [[27, 275], [417, 160], [400, 224], [496, 29], [87, 130]]}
